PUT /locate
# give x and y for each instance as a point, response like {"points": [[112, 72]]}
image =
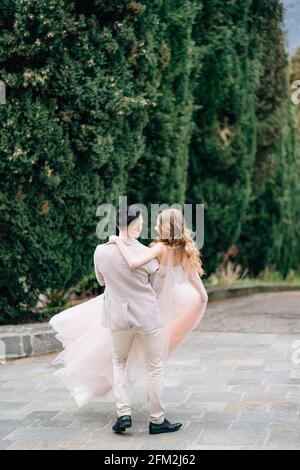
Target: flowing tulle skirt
{"points": [[87, 369]]}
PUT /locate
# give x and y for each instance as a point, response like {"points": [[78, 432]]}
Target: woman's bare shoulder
{"points": [[160, 250], [159, 245]]}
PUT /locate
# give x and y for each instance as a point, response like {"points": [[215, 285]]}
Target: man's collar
{"points": [[130, 241]]}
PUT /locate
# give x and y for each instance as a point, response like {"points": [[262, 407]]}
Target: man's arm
{"points": [[99, 275], [152, 266]]}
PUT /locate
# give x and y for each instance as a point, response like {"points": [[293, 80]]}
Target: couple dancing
{"points": [[153, 298]]}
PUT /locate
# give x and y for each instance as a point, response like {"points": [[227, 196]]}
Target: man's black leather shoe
{"points": [[122, 423], [166, 426]]}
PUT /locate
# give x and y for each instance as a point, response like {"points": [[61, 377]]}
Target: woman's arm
{"points": [[135, 261]]}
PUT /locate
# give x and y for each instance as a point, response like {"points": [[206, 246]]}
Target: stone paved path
{"points": [[231, 390]]}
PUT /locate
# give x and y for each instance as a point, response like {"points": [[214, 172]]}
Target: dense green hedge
{"points": [[81, 77], [223, 142], [166, 100], [244, 158], [165, 160], [270, 235]]}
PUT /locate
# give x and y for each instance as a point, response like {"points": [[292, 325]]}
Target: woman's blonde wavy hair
{"points": [[173, 232]]}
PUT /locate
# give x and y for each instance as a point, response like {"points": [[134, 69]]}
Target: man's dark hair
{"points": [[126, 215]]}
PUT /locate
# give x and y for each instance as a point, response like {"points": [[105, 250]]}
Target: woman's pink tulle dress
{"points": [[87, 369]]}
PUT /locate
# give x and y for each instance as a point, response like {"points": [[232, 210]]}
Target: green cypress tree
{"points": [[81, 77], [269, 235], [223, 142], [160, 175]]}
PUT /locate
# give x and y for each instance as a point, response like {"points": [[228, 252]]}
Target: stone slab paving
{"points": [[18, 341], [277, 312], [231, 390]]}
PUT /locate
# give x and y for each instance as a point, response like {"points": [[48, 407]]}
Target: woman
{"points": [[87, 355]]}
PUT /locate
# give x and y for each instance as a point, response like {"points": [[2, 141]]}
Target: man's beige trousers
{"points": [[151, 343]]}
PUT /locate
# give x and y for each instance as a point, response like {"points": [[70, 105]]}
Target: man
{"points": [[131, 310]]}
